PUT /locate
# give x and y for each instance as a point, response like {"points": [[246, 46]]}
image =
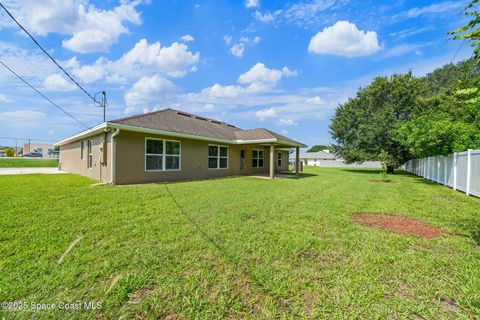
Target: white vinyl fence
{"points": [[460, 171]]}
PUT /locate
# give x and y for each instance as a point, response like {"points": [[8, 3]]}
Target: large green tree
{"points": [[364, 127], [318, 147]]}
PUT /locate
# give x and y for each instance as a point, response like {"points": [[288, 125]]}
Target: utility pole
{"points": [[102, 103], [29, 147]]}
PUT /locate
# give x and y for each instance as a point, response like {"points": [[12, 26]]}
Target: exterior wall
{"points": [[45, 148], [130, 160], [285, 158], [71, 161]]}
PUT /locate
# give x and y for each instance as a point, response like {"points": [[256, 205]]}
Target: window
{"points": [[257, 158], [217, 157], [242, 159], [279, 159], [162, 155], [82, 150], [90, 154]]}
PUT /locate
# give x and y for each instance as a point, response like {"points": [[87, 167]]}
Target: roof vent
{"points": [[230, 125], [184, 114], [201, 118], [217, 122]]}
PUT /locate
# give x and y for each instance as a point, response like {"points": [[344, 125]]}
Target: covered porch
{"points": [[272, 150]]}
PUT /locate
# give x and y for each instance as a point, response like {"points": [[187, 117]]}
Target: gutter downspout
{"points": [[112, 156]]}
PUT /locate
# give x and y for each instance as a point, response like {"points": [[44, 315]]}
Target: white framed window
{"points": [[217, 157], [82, 150], [162, 155], [257, 158], [89, 154], [279, 159]]}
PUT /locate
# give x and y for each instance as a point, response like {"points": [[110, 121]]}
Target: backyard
{"points": [[27, 162], [239, 247]]}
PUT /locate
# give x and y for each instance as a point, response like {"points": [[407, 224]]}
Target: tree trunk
{"points": [[390, 169]]}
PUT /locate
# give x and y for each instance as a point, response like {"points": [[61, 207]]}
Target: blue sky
{"points": [[283, 65]]}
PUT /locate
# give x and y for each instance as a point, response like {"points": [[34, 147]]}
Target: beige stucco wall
{"points": [[70, 159], [130, 163], [130, 160]]}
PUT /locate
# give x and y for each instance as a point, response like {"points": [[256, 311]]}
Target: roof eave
{"points": [[105, 125], [86, 133]]}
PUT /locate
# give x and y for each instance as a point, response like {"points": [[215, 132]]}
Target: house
{"points": [[315, 158], [329, 160], [47, 150], [171, 145]]}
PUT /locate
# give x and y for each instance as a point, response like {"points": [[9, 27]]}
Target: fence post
{"points": [[438, 169], [455, 156], [469, 170], [444, 171]]}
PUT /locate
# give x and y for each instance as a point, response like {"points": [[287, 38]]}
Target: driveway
{"points": [[5, 171]]}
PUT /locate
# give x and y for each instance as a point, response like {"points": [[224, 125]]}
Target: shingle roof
{"points": [[186, 123], [317, 155]]}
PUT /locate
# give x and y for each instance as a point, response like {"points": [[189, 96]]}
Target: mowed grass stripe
{"points": [[288, 248]]}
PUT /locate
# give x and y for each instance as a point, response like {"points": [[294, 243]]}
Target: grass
{"points": [[238, 248], [27, 162]]}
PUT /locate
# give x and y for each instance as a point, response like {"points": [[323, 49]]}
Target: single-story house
{"points": [[171, 145], [329, 160], [316, 158], [47, 150]]}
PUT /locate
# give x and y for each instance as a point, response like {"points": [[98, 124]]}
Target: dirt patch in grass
{"points": [[398, 224], [383, 181]]}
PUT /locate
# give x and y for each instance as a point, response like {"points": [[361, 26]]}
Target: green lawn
{"points": [[238, 248], [27, 162]]}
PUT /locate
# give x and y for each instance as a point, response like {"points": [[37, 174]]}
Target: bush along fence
{"points": [[460, 171]]}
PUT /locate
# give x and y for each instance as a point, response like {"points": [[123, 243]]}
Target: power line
{"points": [[41, 94], [45, 51], [458, 50], [33, 139]]}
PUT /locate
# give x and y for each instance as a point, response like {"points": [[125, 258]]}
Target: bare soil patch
{"points": [[398, 224], [383, 181]]}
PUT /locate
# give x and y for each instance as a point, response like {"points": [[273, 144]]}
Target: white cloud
{"points": [[261, 78], [143, 59], [90, 73], [289, 73], [264, 114], [187, 38], [3, 98], [227, 39], [58, 82], [91, 29], [266, 17], [237, 50], [315, 101], [252, 3], [147, 91], [401, 49], [302, 13], [219, 91], [344, 39], [209, 107], [286, 122], [20, 115], [437, 8]]}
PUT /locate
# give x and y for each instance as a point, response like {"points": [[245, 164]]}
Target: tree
{"points": [[365, 125], [448, 123], [318, 147], [471, 31], [9, 152]]}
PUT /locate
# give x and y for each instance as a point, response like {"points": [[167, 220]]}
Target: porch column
{"points": [[297, 160], [272, 161]]}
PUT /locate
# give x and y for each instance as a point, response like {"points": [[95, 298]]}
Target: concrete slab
{"points": [[8, 171]]}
